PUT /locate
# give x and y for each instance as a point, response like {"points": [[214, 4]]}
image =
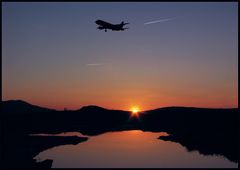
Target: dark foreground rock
{"points": [[207, 144], [19, 151]]}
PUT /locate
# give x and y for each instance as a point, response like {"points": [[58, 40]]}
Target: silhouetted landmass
{"points": [[19, 150], [90, 120], [210, 131], [207, 144], [20, 107]]}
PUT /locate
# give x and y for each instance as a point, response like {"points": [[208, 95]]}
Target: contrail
{"points": [[161, 20], [95, 64]]}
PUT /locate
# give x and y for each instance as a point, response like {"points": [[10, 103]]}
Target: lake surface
{"points": [[129, 149]]}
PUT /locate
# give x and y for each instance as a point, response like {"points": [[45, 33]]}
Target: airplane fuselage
{"points": [[106, 25]]}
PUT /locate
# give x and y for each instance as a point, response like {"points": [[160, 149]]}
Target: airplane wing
{"points": [[100, 27]]}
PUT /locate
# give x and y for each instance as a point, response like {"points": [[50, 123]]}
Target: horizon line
{"points": [[172, 106]]}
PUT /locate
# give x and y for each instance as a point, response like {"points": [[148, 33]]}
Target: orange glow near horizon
{"points": [[135, 110], [142, 103]]}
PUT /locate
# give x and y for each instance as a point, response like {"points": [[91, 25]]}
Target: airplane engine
{"points": [[100, 28]]}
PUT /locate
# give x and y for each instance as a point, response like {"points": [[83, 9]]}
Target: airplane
{"points": [[113, 27]]}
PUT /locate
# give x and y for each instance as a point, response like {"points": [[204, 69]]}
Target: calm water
{"points": [[128, 149]]}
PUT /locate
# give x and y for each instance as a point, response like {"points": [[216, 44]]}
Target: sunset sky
{"points": [[53, 55]]}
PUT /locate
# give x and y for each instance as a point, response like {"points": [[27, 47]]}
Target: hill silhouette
{"points": [[16, 107], [209, 131], [92, 107]]}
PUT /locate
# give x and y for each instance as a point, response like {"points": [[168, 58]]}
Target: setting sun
{"points": [[135, 111]]}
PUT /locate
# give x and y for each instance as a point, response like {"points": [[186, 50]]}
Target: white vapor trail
{"points": [[161, 20], [95, 64]]}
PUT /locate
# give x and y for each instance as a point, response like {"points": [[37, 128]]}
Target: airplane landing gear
{"points": [[105, 30]]}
